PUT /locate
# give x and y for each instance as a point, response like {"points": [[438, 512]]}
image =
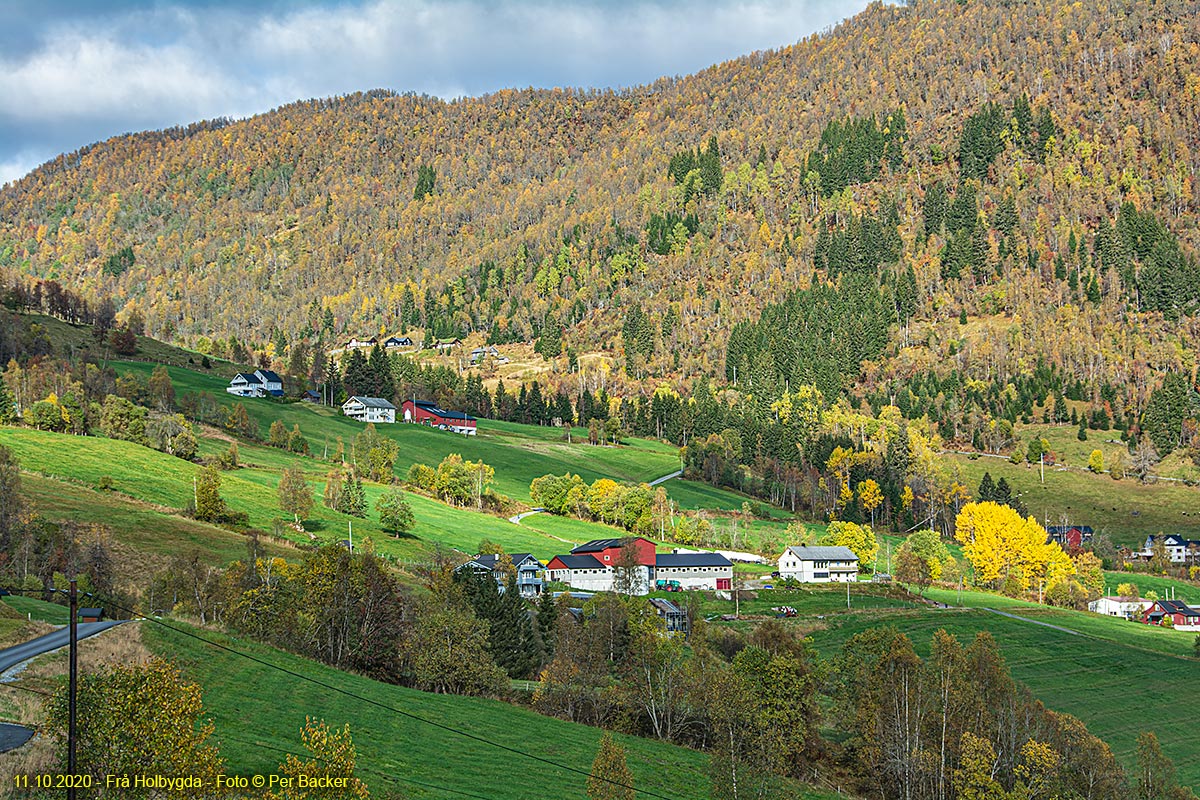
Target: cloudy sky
{"points": [[73, 72]]}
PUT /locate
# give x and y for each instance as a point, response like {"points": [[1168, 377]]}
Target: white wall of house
{"points": [[1119, 607], [598, 580], [245, 390], [816, 571], [364, 413], [694, 577]]}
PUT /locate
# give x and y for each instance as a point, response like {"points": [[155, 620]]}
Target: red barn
{"points": [[424, 412], [608, 551], [1070, 536]]}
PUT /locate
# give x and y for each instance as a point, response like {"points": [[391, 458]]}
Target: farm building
{"points": [[424, 412], [592, 567], [711, 571], [1127, 607], [1069, 536]]}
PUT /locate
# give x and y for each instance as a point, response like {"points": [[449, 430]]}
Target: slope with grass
{"points": [[1118, 677], [164, 484], [258, 711], [1126, 510]]}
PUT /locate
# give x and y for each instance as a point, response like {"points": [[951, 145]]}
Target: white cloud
{"points": [[18, 166]]}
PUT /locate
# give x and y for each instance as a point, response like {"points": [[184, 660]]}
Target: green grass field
{"points": [[1126, 510], [66, 470], [31, 608], [1113, 675], [258, 711], [519, 453]]}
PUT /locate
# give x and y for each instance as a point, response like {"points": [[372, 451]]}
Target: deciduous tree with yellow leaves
{"points": [[1002, 546]]}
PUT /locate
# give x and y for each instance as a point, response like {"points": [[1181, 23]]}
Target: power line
{"points": [[371, 701], [357, 769]]}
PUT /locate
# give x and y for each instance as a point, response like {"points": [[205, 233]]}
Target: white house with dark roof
{"points": [[397, 343], [260, 383], [1125, 607], [357, 342], [1179, 549], [529, 571], [369, 409], [818, 564]]}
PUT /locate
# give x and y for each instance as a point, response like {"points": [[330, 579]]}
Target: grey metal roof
{"points": [[597, 545], [666, 606], [373, 402], [691, 560], [805, 553], [489, 560]]}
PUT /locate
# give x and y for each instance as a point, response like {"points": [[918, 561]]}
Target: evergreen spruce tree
{"points": [[380, 370], [357, 378], [547, 619], [8, 405]]}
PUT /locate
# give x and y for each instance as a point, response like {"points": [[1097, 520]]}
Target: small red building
{"points": [[424, 412], [1070, 537]]}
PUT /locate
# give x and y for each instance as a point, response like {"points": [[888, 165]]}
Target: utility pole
{"points": [[72, 689], [350, 524], [1042, 466], [847, 593]]}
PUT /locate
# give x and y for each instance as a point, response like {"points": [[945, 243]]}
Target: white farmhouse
{"points": [[369, 409], [1127, 607], [818, 564], [259, 383]]}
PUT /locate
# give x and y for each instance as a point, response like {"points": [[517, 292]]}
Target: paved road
{"points": [[517, 519], [13, 736], [51, 641], [665, 478]]}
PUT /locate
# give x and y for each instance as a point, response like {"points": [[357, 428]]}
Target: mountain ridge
{"points": [[310, 207]]}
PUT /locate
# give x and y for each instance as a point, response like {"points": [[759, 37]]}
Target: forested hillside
{"points": [[1029, 168]]}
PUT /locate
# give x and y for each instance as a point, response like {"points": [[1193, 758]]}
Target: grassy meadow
{"points": [[1126, 510], [258, 711], [1113, 675]]}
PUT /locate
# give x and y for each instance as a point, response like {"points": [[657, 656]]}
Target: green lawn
{"points": [[1116, 676], [1166, 587], [32, 608], [519, 453], [810, 600], [68, 468], [255, 708], [139, 527]]}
